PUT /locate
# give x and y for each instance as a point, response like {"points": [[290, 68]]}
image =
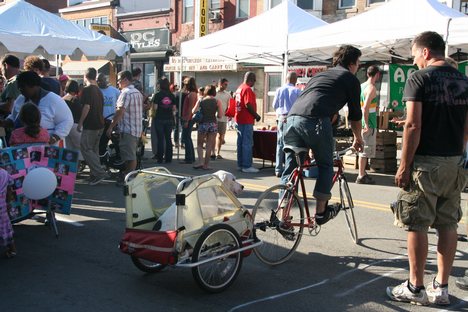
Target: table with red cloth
{"points": [[264, 146]]}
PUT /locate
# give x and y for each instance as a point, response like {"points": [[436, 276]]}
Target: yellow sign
{"points": [[203, 17], [106, 29]]}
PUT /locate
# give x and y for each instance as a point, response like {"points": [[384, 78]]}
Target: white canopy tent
{"points": [[380, 33], [263, 39], [458, 34], [26, 29]]}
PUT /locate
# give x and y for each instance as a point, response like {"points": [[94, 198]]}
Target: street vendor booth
{"points": [[26, 29]]}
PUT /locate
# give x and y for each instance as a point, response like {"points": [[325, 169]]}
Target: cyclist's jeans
{"points": [[316, 134]]}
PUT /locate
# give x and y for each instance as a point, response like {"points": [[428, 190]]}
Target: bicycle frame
{"points": [[296, 179]]}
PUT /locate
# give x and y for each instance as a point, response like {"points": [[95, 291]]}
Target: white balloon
{"points": [[39, 183]]}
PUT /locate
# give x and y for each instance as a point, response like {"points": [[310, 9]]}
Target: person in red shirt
{"points": [[31, 132], [246, 115]]}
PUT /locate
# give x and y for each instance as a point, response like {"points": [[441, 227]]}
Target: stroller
{"points": [[208, 231], [111, 158]]}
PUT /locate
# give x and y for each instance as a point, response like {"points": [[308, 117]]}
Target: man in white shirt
{"points": [[223, 96], [56, 117]]}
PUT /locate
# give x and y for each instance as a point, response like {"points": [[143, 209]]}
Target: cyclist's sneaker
{"points": [[330, 212], [404, 294], [365, 180], [437, 294]]}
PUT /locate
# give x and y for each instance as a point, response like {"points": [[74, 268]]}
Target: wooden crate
{"points": [[351, 161], [386, 138], [385, 151], [388, 165]]}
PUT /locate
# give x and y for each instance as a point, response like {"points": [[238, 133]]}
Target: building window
{"points": [[464, 6], [86, 22], [188, 11], [215, 5], [273, 83], [347, 3], [305, 4], [243, 8]]}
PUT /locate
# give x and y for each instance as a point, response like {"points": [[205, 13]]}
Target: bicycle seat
{"points": [[295, 149]]}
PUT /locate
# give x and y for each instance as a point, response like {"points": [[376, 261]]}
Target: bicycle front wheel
{"points": [[278, 222], [347, 206]]}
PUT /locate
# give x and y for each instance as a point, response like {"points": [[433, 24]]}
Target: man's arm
{"points": [[119, 113], [253, 112], [370, 94], [356, 127], [411, 137], [63, 121], [84, 114], [5, 108]]}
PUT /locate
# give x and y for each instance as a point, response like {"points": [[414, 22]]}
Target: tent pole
{"points": [[179, 111], [57, 60], [447, 37], [285, 63]]}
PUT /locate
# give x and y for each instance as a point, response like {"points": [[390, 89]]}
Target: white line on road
{"points": [[66, 220], [279, 295]]}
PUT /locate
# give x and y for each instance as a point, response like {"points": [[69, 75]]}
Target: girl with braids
{"points": [[31, 132]]}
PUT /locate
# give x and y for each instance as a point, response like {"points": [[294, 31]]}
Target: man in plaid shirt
{"points": [[128, 115]]}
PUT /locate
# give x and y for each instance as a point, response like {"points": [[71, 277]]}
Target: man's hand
{"points": [[109, 132], [257, 117], [79, 128], [402, 177], [365, 129], [358, 144]]}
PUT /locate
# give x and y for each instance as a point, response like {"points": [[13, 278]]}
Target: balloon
{"points": [[39, 183]]}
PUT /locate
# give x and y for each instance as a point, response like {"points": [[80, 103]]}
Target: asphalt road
{"points": [[83, 270]]}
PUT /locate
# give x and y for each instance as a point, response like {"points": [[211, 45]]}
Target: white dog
{"points": [[166, 221]]}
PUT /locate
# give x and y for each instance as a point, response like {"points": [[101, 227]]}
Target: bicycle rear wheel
{"points": [[347, 206], [279, 230]]}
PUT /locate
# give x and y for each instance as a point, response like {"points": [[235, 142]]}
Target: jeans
{"points": [[316, 134], [279, 166], [187, 140], [244, 145], [163, 131]]}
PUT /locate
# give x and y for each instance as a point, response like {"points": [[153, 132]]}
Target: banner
{"points": [[19, 160], [204, 17], [398, 74]]}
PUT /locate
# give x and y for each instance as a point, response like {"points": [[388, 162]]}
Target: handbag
{"points": [[198, 116], [231, 109]]}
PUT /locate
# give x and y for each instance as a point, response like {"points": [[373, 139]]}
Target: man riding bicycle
{"points": [[309, 122]]}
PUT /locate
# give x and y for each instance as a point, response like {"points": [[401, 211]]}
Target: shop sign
{"points": [[199, 65], [106, 29], [463, 68], [304, 73], [148, 40], [398, 76], [203, 17]]}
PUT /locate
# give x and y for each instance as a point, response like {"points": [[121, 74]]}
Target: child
{"points": [[6, 230], [30, 117]]}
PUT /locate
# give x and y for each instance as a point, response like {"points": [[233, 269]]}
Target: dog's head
{"points": [[230, 181]]}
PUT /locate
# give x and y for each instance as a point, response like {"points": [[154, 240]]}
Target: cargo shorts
{"points": [[433, 196], [369, 139]]}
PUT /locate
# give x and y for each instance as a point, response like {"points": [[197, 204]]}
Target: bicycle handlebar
{"points": [[343, 152]]}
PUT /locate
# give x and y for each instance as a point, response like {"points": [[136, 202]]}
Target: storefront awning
{"points": [[79, 68], [150, 56]]}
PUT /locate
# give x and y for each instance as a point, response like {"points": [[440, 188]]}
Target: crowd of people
{"points": [[431, 175]]}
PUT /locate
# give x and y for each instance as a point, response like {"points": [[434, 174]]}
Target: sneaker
{"points": [[278, 174], [213, 157], [365, 180], [330, 212], [436, 294], [97, 180], [219, 157], [250, 170], [403, 294]]}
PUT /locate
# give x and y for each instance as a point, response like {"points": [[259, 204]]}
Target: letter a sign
{"points": [[203, 17]]}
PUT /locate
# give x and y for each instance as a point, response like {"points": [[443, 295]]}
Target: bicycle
{"points": [[279, 215]]}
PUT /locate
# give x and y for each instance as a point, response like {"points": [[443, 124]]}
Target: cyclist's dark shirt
{"points": [[327, 92], [443, 92]]}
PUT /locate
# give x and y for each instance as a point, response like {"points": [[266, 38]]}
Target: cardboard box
{"points": [[351, 161]]}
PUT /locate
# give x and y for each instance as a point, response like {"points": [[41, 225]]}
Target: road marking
{"points": [[278, 295], [66, 220]]}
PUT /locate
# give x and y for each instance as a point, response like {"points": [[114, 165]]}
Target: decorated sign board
{"points": [[18, 161]]}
